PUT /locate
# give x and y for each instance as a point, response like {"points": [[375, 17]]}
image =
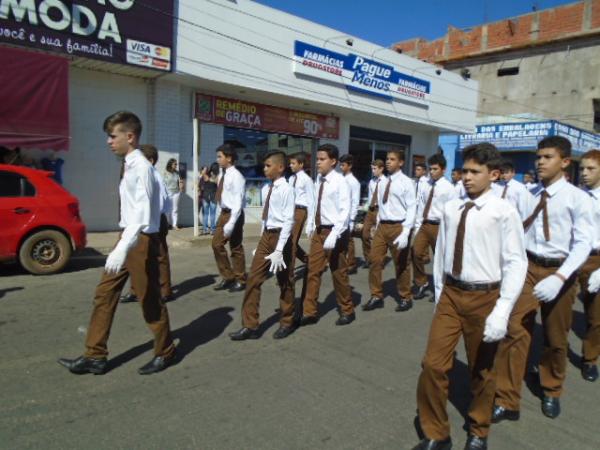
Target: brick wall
{"points": [[564, 22]]}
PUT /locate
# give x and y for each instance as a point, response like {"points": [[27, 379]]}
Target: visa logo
{"points": [[140, 47]]}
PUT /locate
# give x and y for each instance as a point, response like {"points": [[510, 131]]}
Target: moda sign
{"points": [[119, 31]]}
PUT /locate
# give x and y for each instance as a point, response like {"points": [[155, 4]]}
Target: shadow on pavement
{"points": [[11, 289], [193, 284], [198, 332]]}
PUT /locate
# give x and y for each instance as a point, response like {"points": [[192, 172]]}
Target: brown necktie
{"points": [[386, 193], [460, 241], [429, 200], [295, 179], [504, 191], [265, 213], [541, 206], [374, 199], [220, 188], [318, 213]]}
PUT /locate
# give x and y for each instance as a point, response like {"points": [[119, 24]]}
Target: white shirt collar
{"points": [[479, 201], [556, 186]]}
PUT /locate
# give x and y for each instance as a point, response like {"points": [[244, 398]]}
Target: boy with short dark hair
{"points": [[231, 186], [479, 270], [558, 238], [378, 180], [304, 190], [346, 163], [328, 229], [273, 253], [510, 189]]}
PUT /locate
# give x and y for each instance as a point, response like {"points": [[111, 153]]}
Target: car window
{"points": [[15, 185]]}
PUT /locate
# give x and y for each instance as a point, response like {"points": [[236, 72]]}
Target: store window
{"points": [[253, 145]]}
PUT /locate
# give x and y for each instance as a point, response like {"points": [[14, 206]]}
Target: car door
{"points": [[18, 208]]}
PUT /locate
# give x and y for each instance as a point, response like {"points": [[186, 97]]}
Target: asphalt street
{"points": [[324, 387]]}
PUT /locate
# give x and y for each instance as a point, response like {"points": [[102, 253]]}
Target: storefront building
{"points": [[242, 73]]}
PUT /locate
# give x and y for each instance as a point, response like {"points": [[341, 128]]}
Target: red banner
{"points": [[256, 116]]}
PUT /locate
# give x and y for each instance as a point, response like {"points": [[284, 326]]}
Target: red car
{"points": [[39, 220]]}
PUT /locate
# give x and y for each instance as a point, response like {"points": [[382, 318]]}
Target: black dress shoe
{"points": [[372, 304], [157, 364], [589, 372], [430, 444], [366, 265], [404, 305], [500, 413], [129, 298], [237, 287], [283, 332], [83, 365], [476, 443], [346, 319], [243, 334], [167, 298], [551, 407], [308, 320], [223, 284], [420, 291], [352, 270]]}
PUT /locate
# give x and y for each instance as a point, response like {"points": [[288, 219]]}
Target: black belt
{"points": [[272, 230], [391, 222], [595, 252], [545, 262], [463, 285], [301, 207], [432, 222], [225, 210], [373, 208], [325, 227]]}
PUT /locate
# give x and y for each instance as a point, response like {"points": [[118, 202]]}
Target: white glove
{"points": [[115, 260], [351, 226], [310, 229], [330, 241], [594, 282], [228, 229], [402, 240], [496, 323], [547, 289], [277, 263], [254, 252]]}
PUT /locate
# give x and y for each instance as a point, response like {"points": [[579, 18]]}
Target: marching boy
{"points": [[273, 254], [479, 270], [373, 207], [346, 163], [304, 189]]}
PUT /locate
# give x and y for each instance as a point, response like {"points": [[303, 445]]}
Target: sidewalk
{"points": [[103, 242]]}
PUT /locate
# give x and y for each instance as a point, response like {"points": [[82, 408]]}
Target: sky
{"points": [[385, 22]]}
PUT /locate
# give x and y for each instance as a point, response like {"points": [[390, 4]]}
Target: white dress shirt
{"points": [[531, 186], [304, 191], [166, 205], [335, 202], [516, 194], [401, 204], [281, 210], [571, 225], [234, 191], [444, 192], [459, 188], [372, 185], [595, 198], [354, 187], [418, 184], [493, 250], [140, 199]]}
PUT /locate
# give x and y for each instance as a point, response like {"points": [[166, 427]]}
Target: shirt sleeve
{"points": [[141, 212], [583, 232], [355, 192], [343, 199], [287, 205], [523, 202], [513, 259], [438, 258], [238, 188], [420, 204], [311, 200], [410, 203]]}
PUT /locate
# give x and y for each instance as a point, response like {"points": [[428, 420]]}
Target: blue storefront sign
{"points": [[359, 73], [524, 136]]}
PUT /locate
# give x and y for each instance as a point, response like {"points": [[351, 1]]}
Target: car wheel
{"points": [[45, 252]]}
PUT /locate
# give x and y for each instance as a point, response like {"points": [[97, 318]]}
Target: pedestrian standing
{"points": [[558, 238], [479, 270], [230, 196], [370, 222], [174, 188], [346, 163], [395, 219], [328, 230], [273, 253], [135, 255], [210, 177]]}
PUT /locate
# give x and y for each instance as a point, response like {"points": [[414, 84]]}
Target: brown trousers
{"points": [[424, 240], [351, 255], [368, 224], [142, 265], [591, 306], [236, 268], [511, 361], [317, 262], [383, 240], [458, 313], [258, 274], [164, 263], [300, 215]]}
